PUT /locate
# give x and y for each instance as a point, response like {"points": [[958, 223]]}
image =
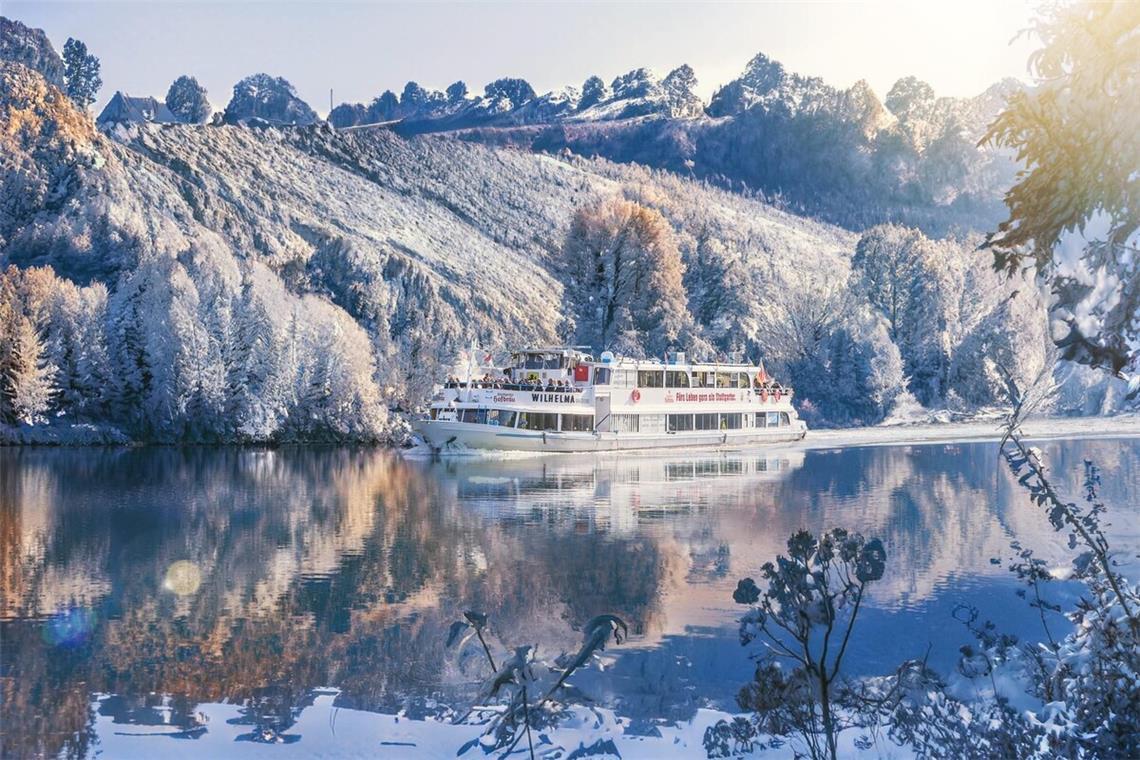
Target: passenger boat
{"points": [[563, 399]]}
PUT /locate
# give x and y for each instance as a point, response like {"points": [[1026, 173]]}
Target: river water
{"points": [[141, 584]]}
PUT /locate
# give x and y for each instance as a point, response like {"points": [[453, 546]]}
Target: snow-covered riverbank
{"points": [[324, 730], [1039, 428]]}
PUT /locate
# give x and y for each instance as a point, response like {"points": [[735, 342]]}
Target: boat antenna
{"points": [[470, 357]]}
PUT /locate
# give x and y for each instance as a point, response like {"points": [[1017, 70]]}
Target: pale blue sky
{"points": [[362, 48]]}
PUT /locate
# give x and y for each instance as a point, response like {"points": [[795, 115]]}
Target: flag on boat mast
{"points": [[761, 374]]}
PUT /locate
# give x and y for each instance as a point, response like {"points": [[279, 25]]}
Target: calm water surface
{"points": [[138, 585]]}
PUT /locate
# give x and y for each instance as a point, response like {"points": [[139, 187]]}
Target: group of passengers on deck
{"points": [[504, 382]]}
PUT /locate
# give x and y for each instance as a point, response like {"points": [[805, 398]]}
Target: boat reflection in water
{"points": [[608, 492], [141, 588]]}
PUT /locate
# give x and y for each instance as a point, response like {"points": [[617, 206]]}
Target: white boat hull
{"points": [[447, 435]]}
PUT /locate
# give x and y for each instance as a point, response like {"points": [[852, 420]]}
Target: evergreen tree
{"points": [[517, 91], [413, 96], [81, 73], [594, 91], [456, 92], [187, 100], [383, 108], [27, 376]]}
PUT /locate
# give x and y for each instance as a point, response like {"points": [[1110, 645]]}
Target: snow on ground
{"points": [[326, 731], [1040, 428]]}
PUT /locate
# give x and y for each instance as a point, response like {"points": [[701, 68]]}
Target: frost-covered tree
{"points": [[1073, 211], [337, 398], [680, 93], [721, 294], [187, 100], [1010, 341], [348, 115], [853, 375], [414, 96], [273, 99], [638, 83], [384, 108], [915, 283], [456, 92], [81, 73], [625, 278], [25, 374], [910, 98], [260, 370], [517, 91], [594, 91]]}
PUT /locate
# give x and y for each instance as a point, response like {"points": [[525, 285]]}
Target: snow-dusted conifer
{"points": [[187, 100], [594, 91]]}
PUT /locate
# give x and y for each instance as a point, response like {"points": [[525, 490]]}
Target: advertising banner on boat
{"points": [[700, 396]]}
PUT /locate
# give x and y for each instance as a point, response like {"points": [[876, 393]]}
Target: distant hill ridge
{"points": [[844, 155]]}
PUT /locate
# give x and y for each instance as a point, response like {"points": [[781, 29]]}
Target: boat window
{"points": [[784, 420], [578, 423], [704, 379], [650, 378], [625, 423], [675, 422], [743, 381], [725, 379], [732, 467], [555, 362], [675, 379], [601, 376], [761, 419], [478, 416], [707, 468], [773, 419], [434, 412], [533, 361], [538, 421], [732, 421], [501, 417], [705, 421]]}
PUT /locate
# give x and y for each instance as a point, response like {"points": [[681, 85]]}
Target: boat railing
{"points": [[534, 387]]}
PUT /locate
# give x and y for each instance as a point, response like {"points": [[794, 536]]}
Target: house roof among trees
{"points": [[123, 107]]}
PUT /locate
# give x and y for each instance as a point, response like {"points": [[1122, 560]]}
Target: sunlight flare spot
{"points": [[183, 578]]}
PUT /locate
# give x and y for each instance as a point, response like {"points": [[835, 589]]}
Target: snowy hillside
{"points": [[250, 282], [185, 238], [850, 156]]}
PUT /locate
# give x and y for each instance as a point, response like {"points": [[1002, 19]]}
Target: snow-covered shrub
{"points": [[802, 621], [538, 694]]}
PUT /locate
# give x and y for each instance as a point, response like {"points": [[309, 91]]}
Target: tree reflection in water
{"points": [[297, 569]]}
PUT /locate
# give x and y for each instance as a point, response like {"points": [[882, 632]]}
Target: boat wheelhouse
{"points": [[563, 399]]}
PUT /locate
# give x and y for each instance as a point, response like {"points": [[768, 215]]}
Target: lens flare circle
{"points": [[183, 578], [69, 628]]}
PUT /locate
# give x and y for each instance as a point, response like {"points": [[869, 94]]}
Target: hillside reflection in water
{"points": [[168, 578]]}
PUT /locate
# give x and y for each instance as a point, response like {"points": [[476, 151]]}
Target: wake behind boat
{"points": [[562, 399]]}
